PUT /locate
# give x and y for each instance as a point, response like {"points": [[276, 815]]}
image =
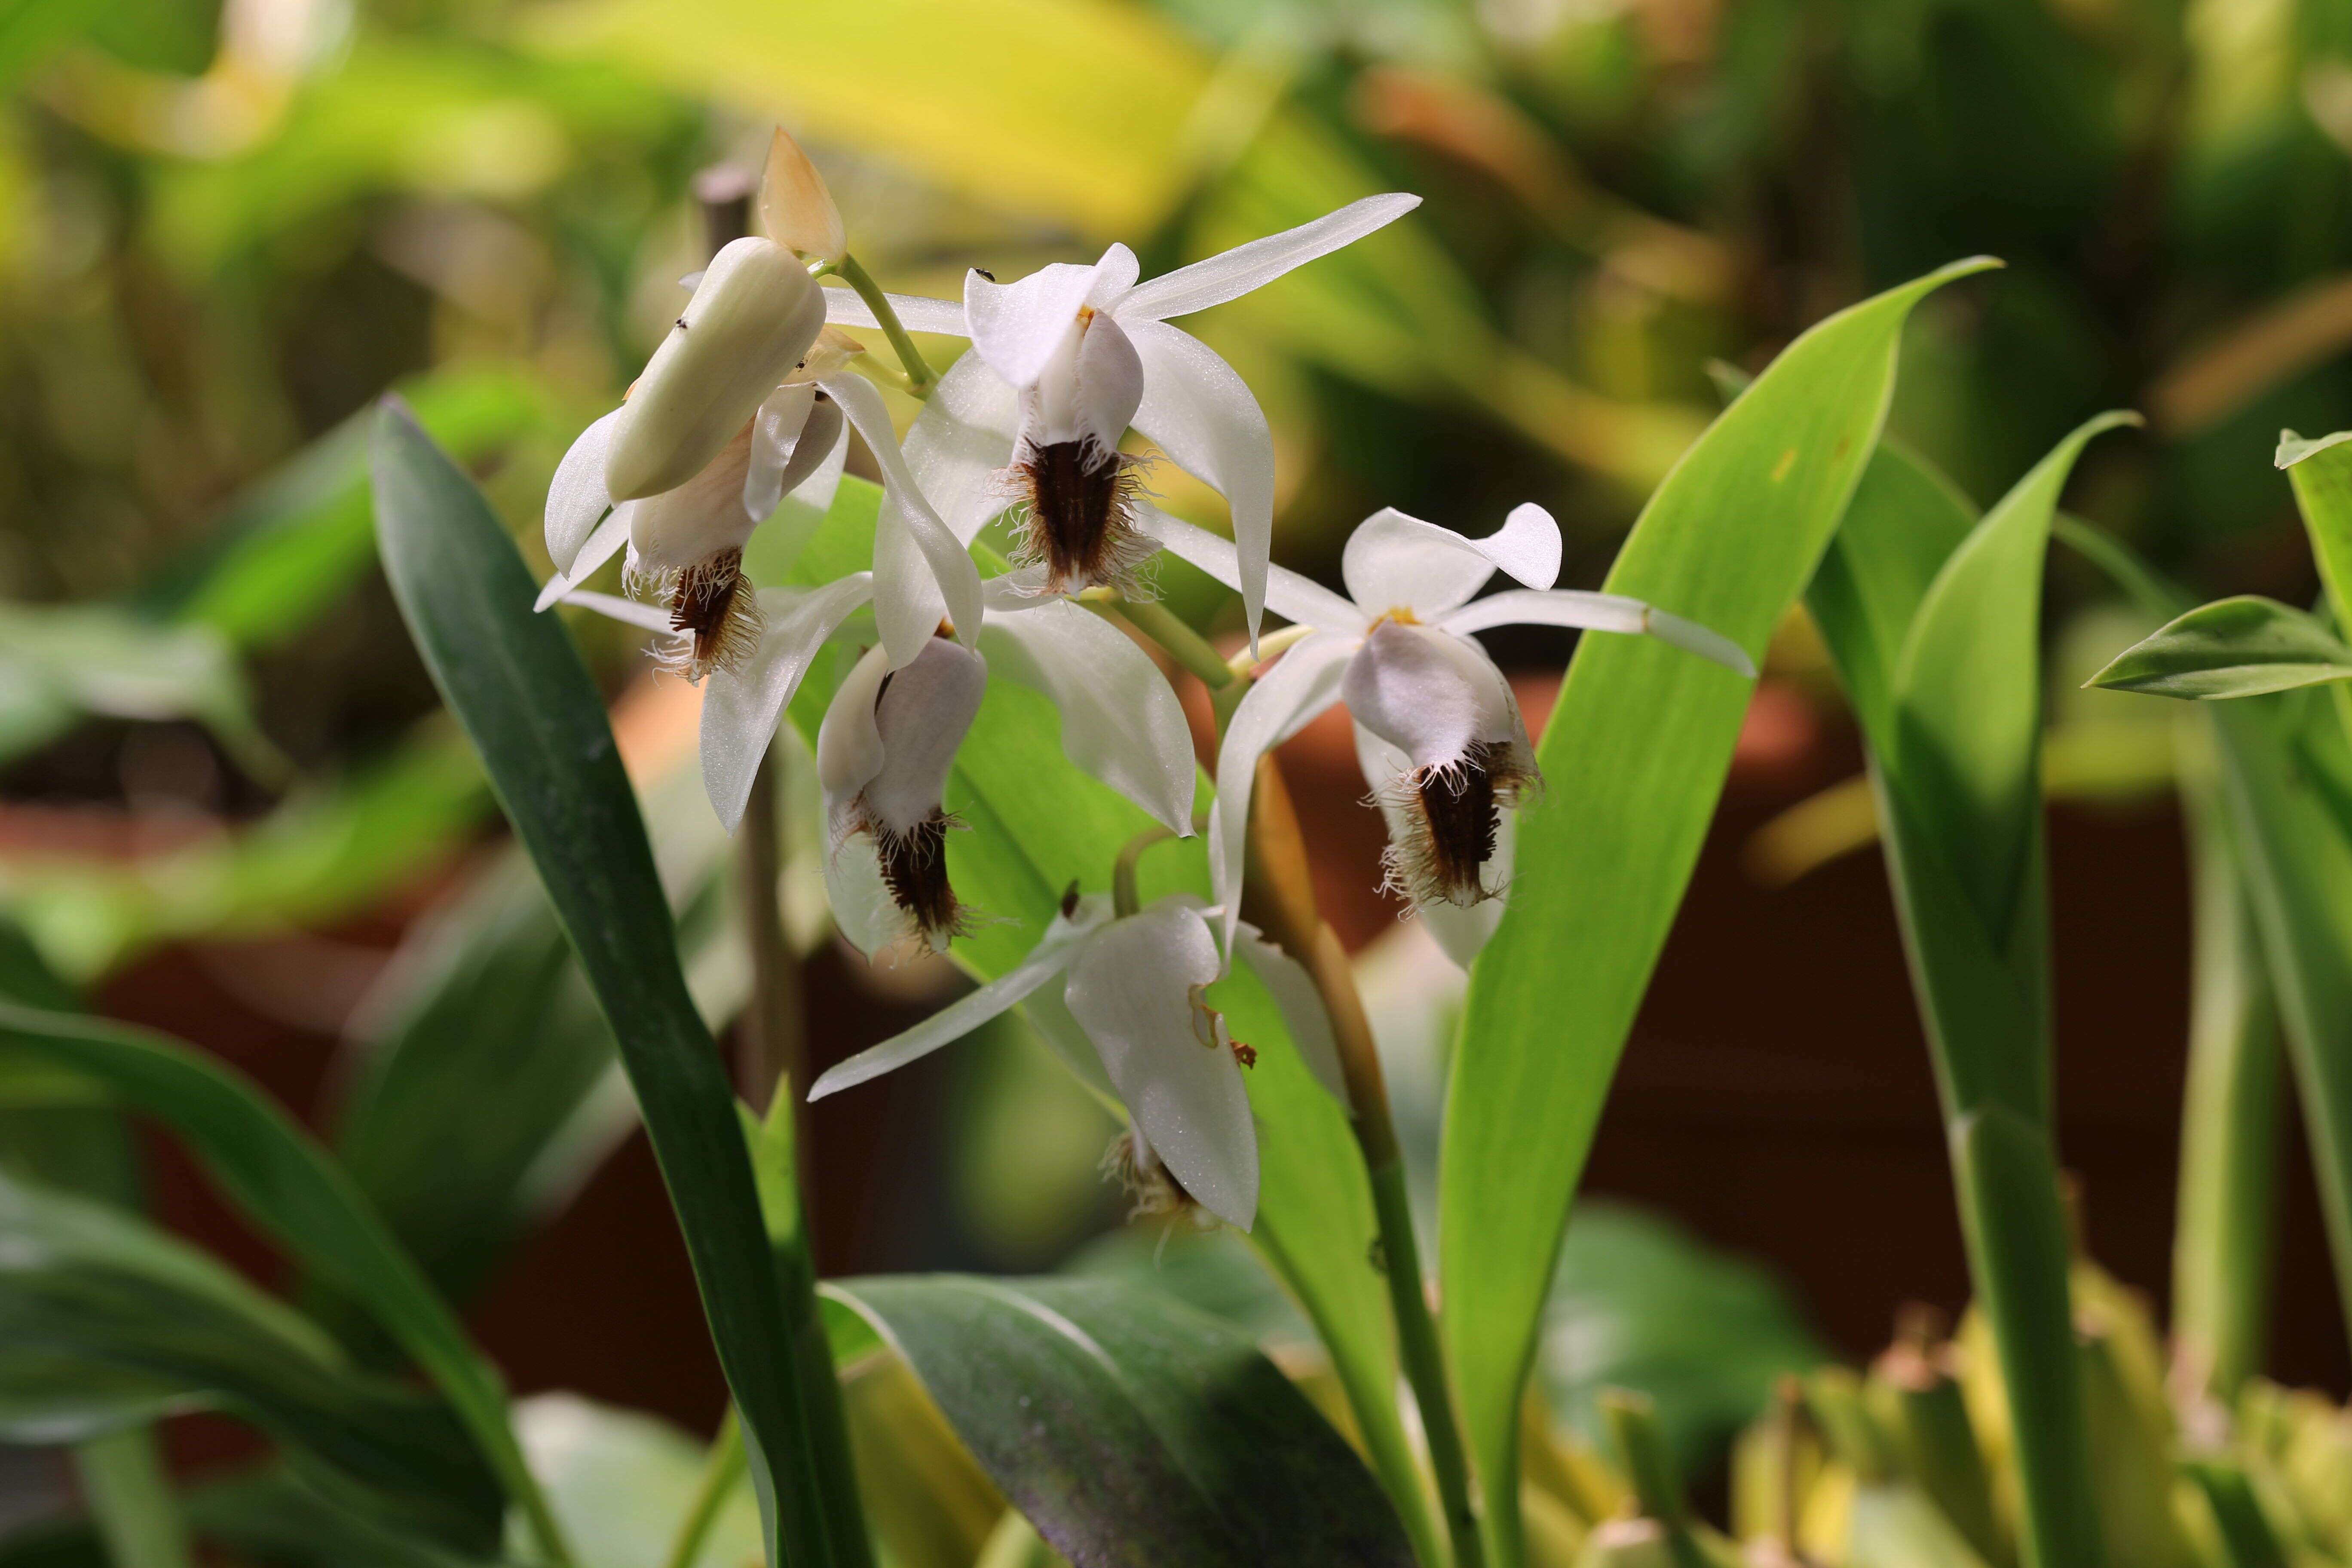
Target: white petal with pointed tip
{"points": [[576, 497], [1121, 722], [1115, 274], [741, 708], [797, 207], [1049, 958], [1049, 1014], [864, 912], [1131, 988], [602, 546], [899, 606], [1703, 641], [959, 443], [1395, 562], [1294, 992], [1019, 327], [843, 308], [1552, 607], [1282, 701], [637, 613], [1199, 411], [1287, 594], [1236, 272]]}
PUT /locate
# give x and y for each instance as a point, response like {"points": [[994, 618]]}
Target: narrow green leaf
{"points": [[131, 1498], [2242, 646], [514, 682], [289, 1188], [2321, 472], [106, 1322], [1968, 689], [1633, 758], [1131, 1430]]}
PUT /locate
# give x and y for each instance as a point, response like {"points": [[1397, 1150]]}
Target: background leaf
{"points": [[1132, 1431], [106, 1323], [1633, 757], [513, 680], [2241, 646]]}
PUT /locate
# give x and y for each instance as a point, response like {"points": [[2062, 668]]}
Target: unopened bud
{"points": [[750, 324], [795, 207]]}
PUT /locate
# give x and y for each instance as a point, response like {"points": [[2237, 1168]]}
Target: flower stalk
{"points": [[720, 1470], [919, 377], [1281, 901]]}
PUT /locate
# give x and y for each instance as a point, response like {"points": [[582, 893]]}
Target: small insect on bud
{"points": [[1245, 1053], [751, 320], [797, 207]]}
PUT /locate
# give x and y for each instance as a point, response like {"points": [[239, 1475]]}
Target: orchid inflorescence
{"points": [[742, 414]]}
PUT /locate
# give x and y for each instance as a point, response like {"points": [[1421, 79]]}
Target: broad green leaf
{"points": [[1968, 689], [1036, 824], [106, 1322], [513, 680], [1132, 1431], [287, 1187], [952, 97], [2241, 646], [1633, 758]]}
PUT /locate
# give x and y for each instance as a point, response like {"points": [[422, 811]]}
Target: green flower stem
{"points": [[1124, 899], [919, 379], [1281, 902], [1166, 628], [721, 1471]]}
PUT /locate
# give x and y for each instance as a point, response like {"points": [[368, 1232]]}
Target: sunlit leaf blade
{"points": [[2242, 646], [2321, 472], [1955, 753], [1634, 759], [1131, 1430], [106, 1323], [288, 1187], [622, 1481], [513, 680], [1968, 688]]}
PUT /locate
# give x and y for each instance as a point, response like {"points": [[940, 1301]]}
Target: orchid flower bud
{"points": [[795, 206], [883, 754], [1444, 707], [752, 320]]}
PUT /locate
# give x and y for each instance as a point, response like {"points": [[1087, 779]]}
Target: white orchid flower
{"points": [[1438, 731], [887, 741], [1131, 1017], [1063, 363]]}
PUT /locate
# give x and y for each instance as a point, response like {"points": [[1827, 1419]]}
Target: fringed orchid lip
{"points": [[1074, 488], [883, 754]]}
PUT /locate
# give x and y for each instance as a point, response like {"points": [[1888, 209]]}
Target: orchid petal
{"points": [[1115, 275], [806, 501], [796, 207], [956, 448], [1236, 272], [576, 497], [1597, 612], [1294, 993], [634, 612], [1278, 705], [961, 1016], [1135, 987], [1019, 327], [1049, 1014], [1394, 562], [1199, 411], [848, 740], [776, 431], [865, 911], [1431, 693], [1287, 594], [741, 708], [1022, 589], [843, 308], [602, 546], [1119, 720], [898, 608]]}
